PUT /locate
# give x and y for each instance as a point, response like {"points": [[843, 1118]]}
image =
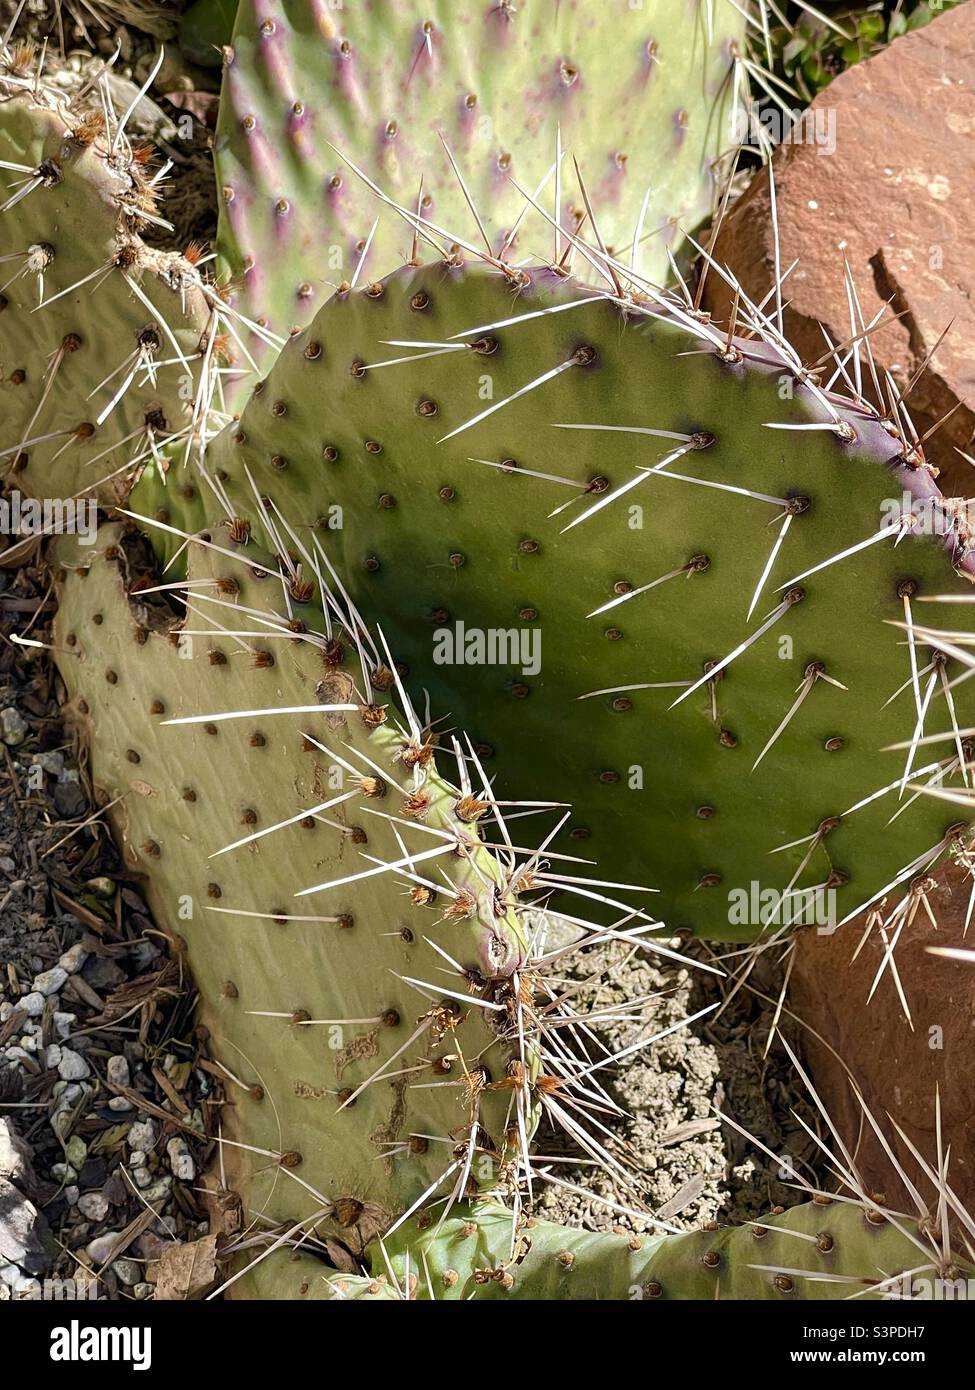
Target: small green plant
{"points": [[815, 49]]}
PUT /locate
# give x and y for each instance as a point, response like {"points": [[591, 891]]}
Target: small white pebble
{"points": [[159, 1192], [117, 1070], [93, 1206], [50, 981], [143, 1135], [180, 1159], [73, 1066], [74, 958]]}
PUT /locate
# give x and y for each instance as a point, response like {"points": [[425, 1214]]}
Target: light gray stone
{"points": [[25, 1238], [50, 981], [127, 1272], [73, 1066], [100, 1248], [117, 1070], [181, 1159], [74, 958], [143, 1135], [15, 1154], [93, 1206], [13, 726]]}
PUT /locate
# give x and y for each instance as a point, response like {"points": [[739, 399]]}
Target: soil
{"points": [[692, 1167]]}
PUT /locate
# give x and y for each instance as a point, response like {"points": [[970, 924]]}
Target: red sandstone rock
{"points": [[898, 1069], [894, 198]]}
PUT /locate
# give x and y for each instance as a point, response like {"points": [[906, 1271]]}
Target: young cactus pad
{"points": [[101, 336], [823, 1249], [641, 96], [308, 998], [521, 467]]}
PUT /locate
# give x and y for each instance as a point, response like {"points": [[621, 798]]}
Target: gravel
{"points": [[25, 1237], [181, 1159], [93, 1206], [92, 1012], [50, 981]]}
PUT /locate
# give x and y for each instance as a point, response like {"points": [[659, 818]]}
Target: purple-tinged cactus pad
{"points": [[641, 96]]}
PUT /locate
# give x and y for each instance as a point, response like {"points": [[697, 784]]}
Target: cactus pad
{"points": [[307, 997], [642, 97], [100, 335], [447, 459], [823, 1249]]}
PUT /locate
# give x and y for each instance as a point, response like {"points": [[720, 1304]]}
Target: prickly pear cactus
{"points": [[726, 674], [659, 571], [361, 1012], [820, 1250], [101, 336], [512, 93]]}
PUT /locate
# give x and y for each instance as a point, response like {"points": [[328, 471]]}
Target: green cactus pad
{"points": [[170, 492], [642, 96], [65, 356], [822, 1250], [433, 538], [344, 953]]}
